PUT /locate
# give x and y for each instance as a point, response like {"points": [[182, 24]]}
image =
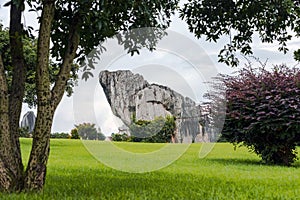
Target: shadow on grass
{"points": [[234, 161], [111, 184], [241, 161]]}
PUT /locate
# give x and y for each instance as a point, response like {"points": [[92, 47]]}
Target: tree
{"points": [[74, 134], [100, 135], [74, 28], [88, 131], [30, 57], [263, 112], [240, 19]]}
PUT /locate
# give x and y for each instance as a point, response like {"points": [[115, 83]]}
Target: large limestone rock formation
{"points": [[130, 95]]}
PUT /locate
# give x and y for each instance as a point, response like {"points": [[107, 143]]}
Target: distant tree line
{"points": [[85, 131]]}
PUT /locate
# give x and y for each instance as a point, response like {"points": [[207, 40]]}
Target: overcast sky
{"points": [[181, 62]]}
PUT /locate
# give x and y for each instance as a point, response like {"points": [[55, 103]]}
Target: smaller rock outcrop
{"points": [[28, 121]]}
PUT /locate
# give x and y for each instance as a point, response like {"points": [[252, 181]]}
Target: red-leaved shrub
{"points": [[263, 112]]}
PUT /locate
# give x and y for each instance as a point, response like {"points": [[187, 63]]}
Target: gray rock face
{"points": [[130, 95], [28, 121], [120, 88]]}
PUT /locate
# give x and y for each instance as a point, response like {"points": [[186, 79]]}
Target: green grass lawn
{"points": [[224, 174]]}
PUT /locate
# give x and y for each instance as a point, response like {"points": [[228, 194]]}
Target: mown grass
{"points": [[224, 174]]}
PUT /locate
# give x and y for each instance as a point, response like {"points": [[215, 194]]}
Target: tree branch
{"points": [[42, 68], [65, 69]]}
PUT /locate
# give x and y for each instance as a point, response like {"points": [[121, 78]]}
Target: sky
{"points": [[180, 62]]}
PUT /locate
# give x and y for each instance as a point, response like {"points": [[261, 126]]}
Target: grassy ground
{"points": [[224, 174]]}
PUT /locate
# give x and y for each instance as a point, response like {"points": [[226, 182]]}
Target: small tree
{"points": [[74, 134], [88, 131], [263, 112], [168, 130], [100, 135]]}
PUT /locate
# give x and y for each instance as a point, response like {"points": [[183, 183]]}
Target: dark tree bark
{"points": [[12, 176], [7, 171], [11, 167], [36, 169], [17, 89], [48, 100]]}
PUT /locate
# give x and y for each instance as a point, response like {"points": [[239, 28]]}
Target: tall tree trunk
{"points": [[48, 100], [36, 169], [17, 88], [7, 173], [12, 177], [11, 167]]}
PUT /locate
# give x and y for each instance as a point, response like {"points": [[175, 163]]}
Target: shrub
{"points": [[120, 137], [263, 112], [24, 132], [159, 130], [60, 135]]}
